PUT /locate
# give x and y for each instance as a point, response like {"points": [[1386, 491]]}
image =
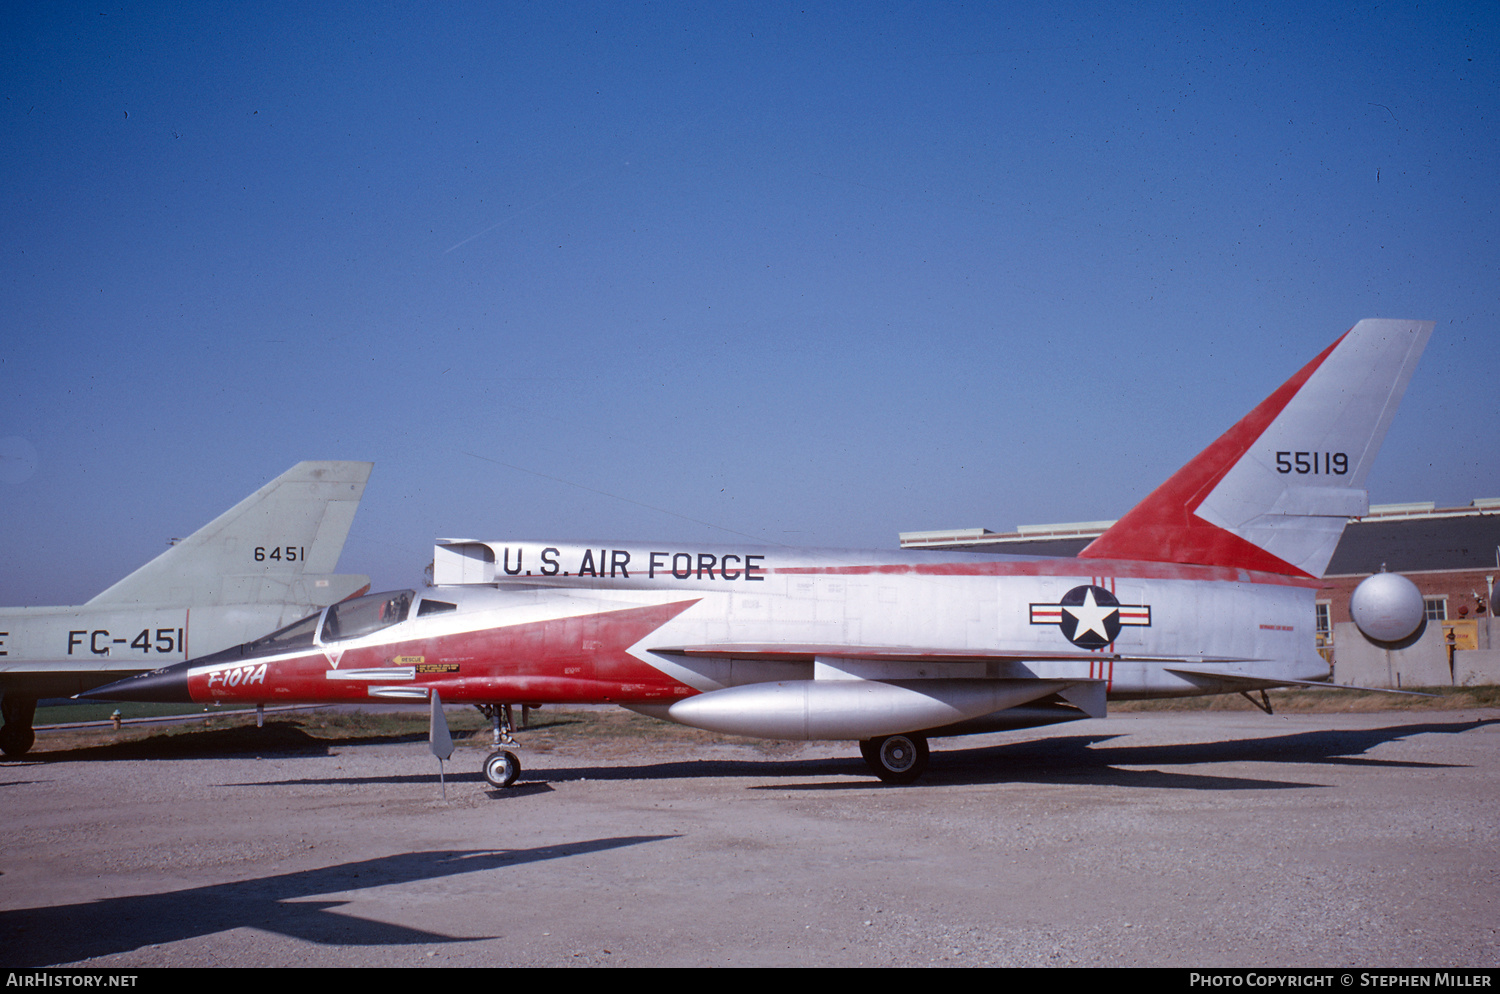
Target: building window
{"points": [[1437, 608], [1321, 623], [1323, 631]]}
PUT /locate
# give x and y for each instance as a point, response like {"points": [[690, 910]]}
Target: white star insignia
{"points": [[1091, 616]]}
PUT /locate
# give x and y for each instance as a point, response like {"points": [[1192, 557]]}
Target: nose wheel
{"points": [[501, 768], [896, 758]]}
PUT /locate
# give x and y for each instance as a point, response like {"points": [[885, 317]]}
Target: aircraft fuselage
{"points": [[651, 636]]}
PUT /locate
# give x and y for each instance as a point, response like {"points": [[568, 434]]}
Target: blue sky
{"points": [[813, 274]]}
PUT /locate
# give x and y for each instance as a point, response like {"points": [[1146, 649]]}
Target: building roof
{"points": [[1410, 537], [1415, 544]]}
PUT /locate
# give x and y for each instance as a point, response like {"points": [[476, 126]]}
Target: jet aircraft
{"points": [[266, 561], [1206, 587]]}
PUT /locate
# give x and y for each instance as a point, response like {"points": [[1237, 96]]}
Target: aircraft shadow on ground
{"points": [[451, 775], [73, 932], [276, 738], [285, 738], [1102, 759], [1069, 759], [1077, 759]]}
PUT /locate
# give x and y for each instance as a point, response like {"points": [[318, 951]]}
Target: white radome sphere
{"points": [[1387, 607]]}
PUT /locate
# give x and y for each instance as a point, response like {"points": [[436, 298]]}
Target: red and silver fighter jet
{"points": [[1206, 587]]}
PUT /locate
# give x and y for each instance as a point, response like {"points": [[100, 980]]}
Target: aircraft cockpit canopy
{"points": [[297, 635], [344, 620], [365, 615]]}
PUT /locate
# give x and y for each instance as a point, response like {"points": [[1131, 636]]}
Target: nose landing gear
{"points": [[501, 767]]}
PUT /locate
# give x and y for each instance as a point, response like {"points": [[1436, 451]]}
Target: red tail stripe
{"points": [[1163, 528]]}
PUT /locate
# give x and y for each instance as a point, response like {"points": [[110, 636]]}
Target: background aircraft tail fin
{"points": [[1275, 491], [279, 544]]}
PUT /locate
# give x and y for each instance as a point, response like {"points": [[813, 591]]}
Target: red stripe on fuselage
{"points": [[581, 659], [1062, 567]]}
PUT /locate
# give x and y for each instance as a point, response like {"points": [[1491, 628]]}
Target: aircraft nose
{"points": [[168, 685]]}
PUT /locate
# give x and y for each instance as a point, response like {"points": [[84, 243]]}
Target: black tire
{"points": [[18, 713], [501, 768], [896, 758], [16, 740]]}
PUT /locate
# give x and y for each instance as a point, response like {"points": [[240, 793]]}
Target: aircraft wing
{"points": [[906, 686], [911, 654], [1243, 684]]}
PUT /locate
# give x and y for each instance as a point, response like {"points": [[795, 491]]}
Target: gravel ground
{"points": [[1150, 839]]}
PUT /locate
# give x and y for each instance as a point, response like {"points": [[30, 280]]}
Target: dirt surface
{"points": [[1151, 839]]}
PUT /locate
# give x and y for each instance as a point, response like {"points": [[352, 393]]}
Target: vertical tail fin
{"points": [[288, 533], [1273, 493]]}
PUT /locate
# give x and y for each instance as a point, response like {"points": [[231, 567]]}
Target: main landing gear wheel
{"points": [[16, 741], [17, 736], [501, 768], [896, 758]]}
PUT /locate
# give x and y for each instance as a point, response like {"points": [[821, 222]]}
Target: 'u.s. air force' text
{"points": [[552, 561]]}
